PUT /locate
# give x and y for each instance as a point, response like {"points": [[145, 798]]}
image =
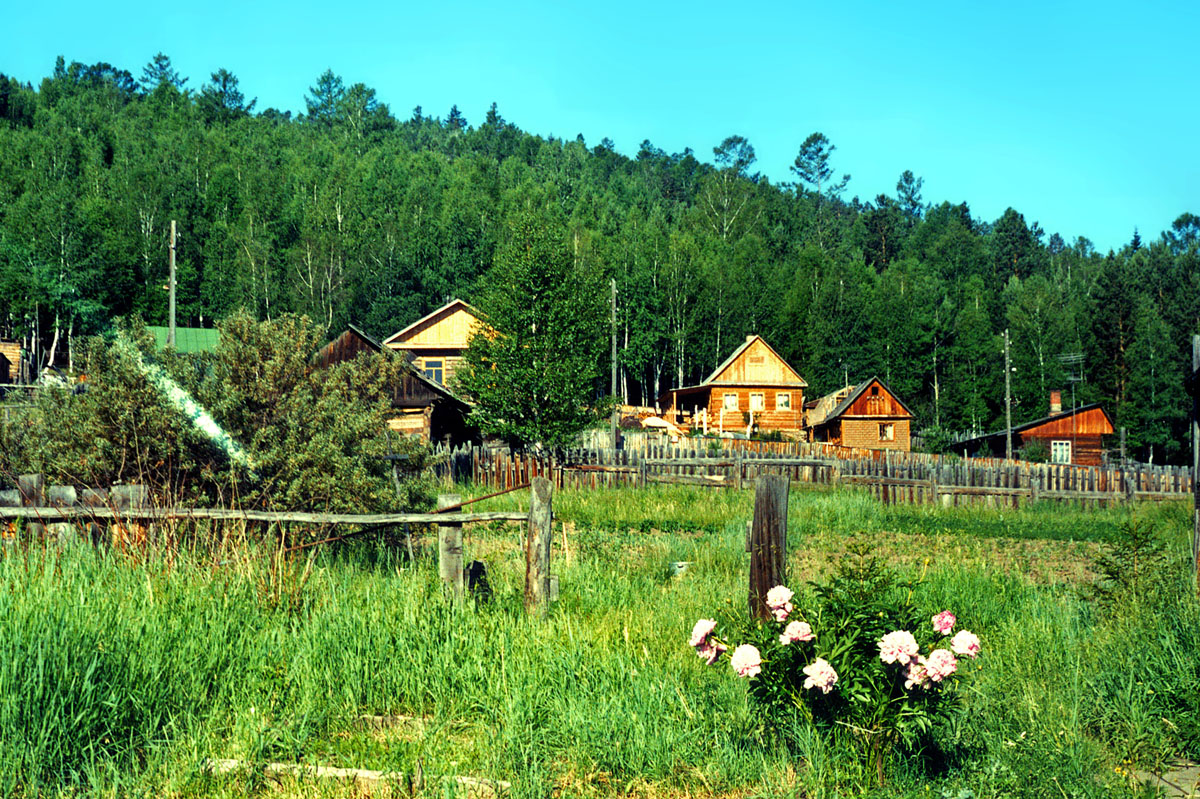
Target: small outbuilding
{"points": [[867, 416], [1072, 436], [753, 389]]}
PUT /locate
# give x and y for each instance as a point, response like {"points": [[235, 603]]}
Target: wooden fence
{"points": [[892, 477]]}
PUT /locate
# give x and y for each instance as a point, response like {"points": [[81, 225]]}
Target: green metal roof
{"points": [[187, 339]]}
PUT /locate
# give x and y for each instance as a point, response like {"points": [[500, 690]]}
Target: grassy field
{"points": [[121, 677]]}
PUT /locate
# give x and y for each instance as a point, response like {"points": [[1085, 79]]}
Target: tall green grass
{"points": [[121, 677]]}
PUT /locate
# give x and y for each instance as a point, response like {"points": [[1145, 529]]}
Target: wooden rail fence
{"points": [[892, 477]]}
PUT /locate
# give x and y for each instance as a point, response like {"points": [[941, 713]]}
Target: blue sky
{"points": [[1083, 116]]}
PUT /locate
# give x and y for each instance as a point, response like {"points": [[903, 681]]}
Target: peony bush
{"points": [[863, 662]]}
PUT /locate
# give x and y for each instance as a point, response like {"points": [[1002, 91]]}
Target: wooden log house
{"points": [[868, 416], [754, 388], [437, 340], [424, 408], [1073, 436]]}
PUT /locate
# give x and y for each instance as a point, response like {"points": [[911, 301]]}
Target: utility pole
{"points": [[1196, 460], [171, 290], [1007, 401], [616, 409]]}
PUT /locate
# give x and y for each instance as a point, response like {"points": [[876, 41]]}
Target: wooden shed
{"points": [[10, 361], [437, 340], [1070, 436], [424, 408], [754, 388], [867, 416]]}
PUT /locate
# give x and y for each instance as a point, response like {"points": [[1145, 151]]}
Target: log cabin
{"points": [[423, 407], [437, 340], [753, 389], [1073, 436], [866, 416]]}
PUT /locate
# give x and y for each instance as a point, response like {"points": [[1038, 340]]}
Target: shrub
{"points": [[861, 661]]}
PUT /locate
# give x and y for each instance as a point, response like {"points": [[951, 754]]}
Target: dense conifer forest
{"points": [[350, 213]]}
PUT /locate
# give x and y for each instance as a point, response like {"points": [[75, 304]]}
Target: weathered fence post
{"points": [[61, 497], [768, 540], [450, 548], [738, 466], [537, 547], [33, 495]]}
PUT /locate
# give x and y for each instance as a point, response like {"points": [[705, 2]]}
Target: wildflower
{"points": [[746, 661], [898, 646], [819, 674], [796, 632], [944, 622], [965, 643], [701, 631], [779, 601], [940, 664], [710, 651], [917, 675]]}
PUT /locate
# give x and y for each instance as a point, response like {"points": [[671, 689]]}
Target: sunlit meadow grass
{"points": [[121, 677]]}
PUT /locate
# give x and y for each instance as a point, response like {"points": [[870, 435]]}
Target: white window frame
{"points": [[887, 431], [1058, 447], [758, 401], [427, 368], [786, 397], [726, 404]]}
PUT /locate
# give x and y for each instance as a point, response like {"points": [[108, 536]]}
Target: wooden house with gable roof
{"points": [[866, 416], [437, 340], [754, 387]]}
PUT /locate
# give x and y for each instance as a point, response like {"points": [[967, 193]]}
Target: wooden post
{"points": [[450, 548], [61, 497], [33, 495], [1196, 459], [537, 547], [768, 541], [738, 467]]}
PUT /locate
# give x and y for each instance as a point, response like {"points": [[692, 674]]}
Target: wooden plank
{"points": [[537, 548], [768, 541], [231, 514]]}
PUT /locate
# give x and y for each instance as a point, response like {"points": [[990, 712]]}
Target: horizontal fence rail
{"points": [[892, 476]]}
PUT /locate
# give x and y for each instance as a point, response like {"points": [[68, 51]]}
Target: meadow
{"points": [[122, 675]]}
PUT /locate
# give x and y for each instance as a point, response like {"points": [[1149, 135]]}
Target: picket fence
{"points": [[893, 477]]}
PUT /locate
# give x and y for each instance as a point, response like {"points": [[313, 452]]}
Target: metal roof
{"points": [[187, 339]]}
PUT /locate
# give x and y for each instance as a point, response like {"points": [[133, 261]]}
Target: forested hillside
{"points": [[351, 213]]}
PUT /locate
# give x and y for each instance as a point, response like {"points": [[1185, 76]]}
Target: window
{"points": [[1060, 451], [874, 391], [433, 370], [887, 432], [783, 401], [729, 402], [758, 401]]}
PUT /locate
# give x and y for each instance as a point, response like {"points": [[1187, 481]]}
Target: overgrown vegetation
{"points": [[121, 678], [313, 438]]}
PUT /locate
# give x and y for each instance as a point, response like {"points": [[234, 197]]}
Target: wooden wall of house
{"points": [[345, 347], [864, 433], [758, 364], [881, 404], [452, 328], [772, 418], [1086, 450]]}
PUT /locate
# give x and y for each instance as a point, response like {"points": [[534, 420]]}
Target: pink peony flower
{"points": [[898, 646], [940, 664], [965, 643], [746, 660], [779, 602], [701, 631], [710, 651], [819, 674], [917, 675], [796, 632], [944, 622]]}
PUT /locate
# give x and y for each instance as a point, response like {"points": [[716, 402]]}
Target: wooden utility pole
{"points": [[171, 292], [768, 541], [1007, 401], [616, 405], [537, 547], [1196, 459]]}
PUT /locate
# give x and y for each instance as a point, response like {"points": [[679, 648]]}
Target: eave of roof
{"points": [[737, 353], [856, 393], [1054, 417]]}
